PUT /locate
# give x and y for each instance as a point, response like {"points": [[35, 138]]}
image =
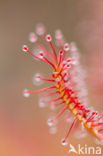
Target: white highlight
{"points": [[66, 47], [63, 142], [36, 79], [41, 54], [25, 48], [26, 94], [42, 104], [48, 38], [50, 122]]}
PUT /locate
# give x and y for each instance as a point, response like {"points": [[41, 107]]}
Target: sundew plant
{"points": [[68, 89]]}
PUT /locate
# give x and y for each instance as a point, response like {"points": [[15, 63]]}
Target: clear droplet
{"points": [[36, 79], [26, 93], [50, 122], [25, 48], [63, 142], [42, 103]]}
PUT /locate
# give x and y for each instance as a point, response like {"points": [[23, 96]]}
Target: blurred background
{"points": [[23, 128]]}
